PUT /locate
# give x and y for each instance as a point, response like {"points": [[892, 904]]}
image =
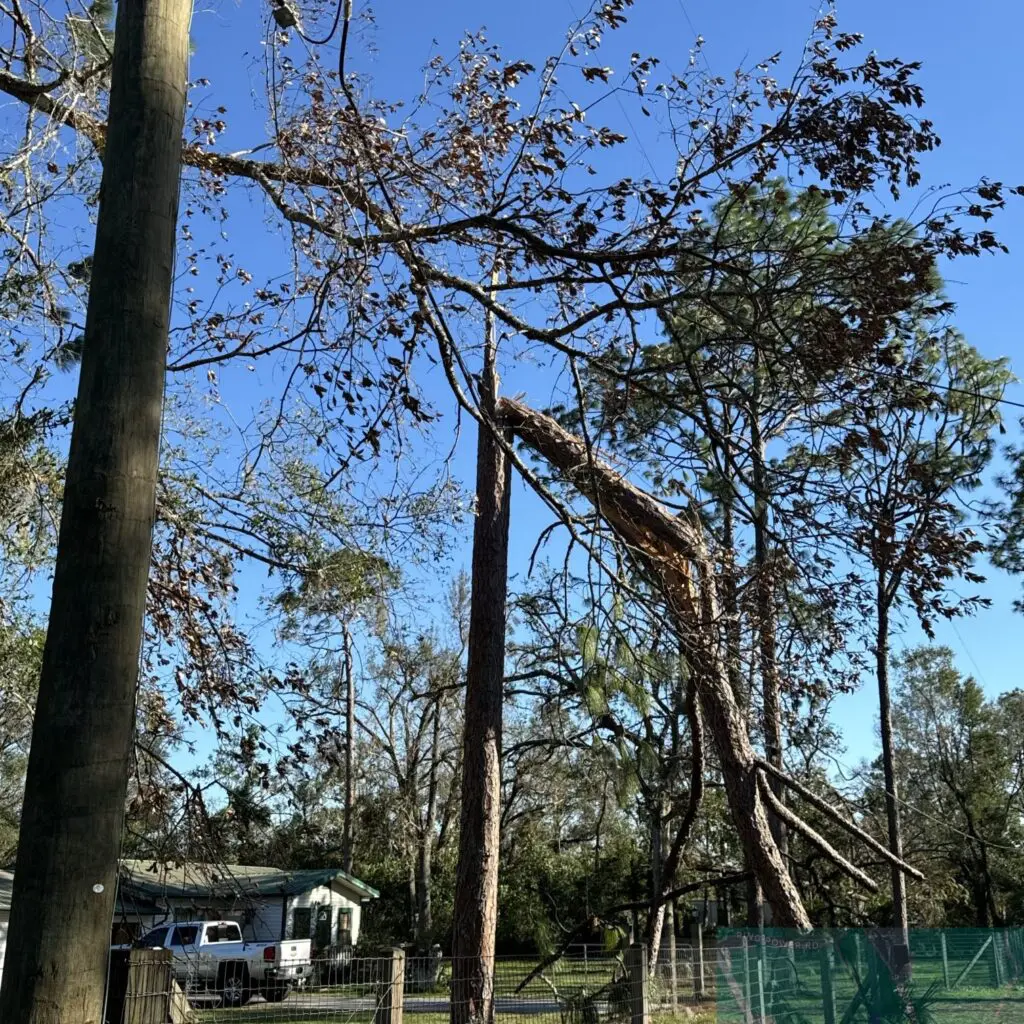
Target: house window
{"points": [[344, 927], [302, 923]]}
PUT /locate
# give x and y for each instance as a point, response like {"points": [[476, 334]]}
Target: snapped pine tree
{"points": [[66, 873], [673, 551]]}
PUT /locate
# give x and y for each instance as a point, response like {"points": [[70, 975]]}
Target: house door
{"points": [[323, 927]]}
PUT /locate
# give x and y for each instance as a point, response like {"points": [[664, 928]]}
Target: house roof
{"points": [[159, 880], [127, 903]]}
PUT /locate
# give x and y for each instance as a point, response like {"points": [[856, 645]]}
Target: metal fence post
{"points": [[945, 960], [996, 967], [760, 988], [391, 1004], [639, 991], [673, 955], [698, 967], [748, 1006]]}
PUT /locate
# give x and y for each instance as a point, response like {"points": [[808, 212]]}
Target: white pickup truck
{"points": [[212, 957]]}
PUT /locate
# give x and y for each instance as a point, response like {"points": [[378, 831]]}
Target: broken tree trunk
{"points": [[672, 549]]}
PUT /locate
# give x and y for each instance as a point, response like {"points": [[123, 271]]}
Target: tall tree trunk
{"points": [[66, 874], [425, 929], [656, 913], [731, 602], [665, 864], [348, 835], [892, 804], [424, 905], [412, 875], [476, 878], [734, 641], [987, 914], [766, 630]]}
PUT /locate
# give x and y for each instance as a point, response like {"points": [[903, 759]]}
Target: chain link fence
{"points": [[152, 987]]}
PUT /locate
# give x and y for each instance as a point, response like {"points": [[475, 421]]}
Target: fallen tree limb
{"points": [[797, 824], [838, 819]]}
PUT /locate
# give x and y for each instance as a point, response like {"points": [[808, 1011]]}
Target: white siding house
{"points": [[327, 910], [323, 904]]}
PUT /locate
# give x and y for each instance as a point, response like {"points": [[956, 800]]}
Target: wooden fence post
{"points": [[828, 986], [945, 960], [639, 992], [391, 1004], [148, 997]]}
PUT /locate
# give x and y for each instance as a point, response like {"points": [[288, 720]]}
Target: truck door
{"points": [[185, 947]]}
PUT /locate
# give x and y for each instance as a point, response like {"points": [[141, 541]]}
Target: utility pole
{"points": [[65, 879]]}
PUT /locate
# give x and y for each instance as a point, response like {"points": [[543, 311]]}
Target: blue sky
{"points": [[972, 83]]}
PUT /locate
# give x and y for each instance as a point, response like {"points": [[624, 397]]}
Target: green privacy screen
{"points": [[847, 976]]}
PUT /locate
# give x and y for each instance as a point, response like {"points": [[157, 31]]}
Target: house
{"points": [[322, 904]]}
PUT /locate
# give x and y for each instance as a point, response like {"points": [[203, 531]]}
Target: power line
{"points": [[967, 651], [856, 773], [950, 389]]}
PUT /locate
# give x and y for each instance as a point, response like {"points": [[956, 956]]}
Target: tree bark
{"points": [[672, 549], [766, 642], [892, 804], [425, 917], [66, 873], [348, 837], [476, 880], [656, 914]]}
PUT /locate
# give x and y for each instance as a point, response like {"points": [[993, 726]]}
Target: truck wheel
{"points": [[277, 993], [235, 989]]}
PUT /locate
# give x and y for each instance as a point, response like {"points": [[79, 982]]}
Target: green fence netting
{"points": [[856, 976]]}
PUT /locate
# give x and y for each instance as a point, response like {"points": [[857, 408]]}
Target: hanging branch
{"points": [[844, 823], [794, 821]]}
